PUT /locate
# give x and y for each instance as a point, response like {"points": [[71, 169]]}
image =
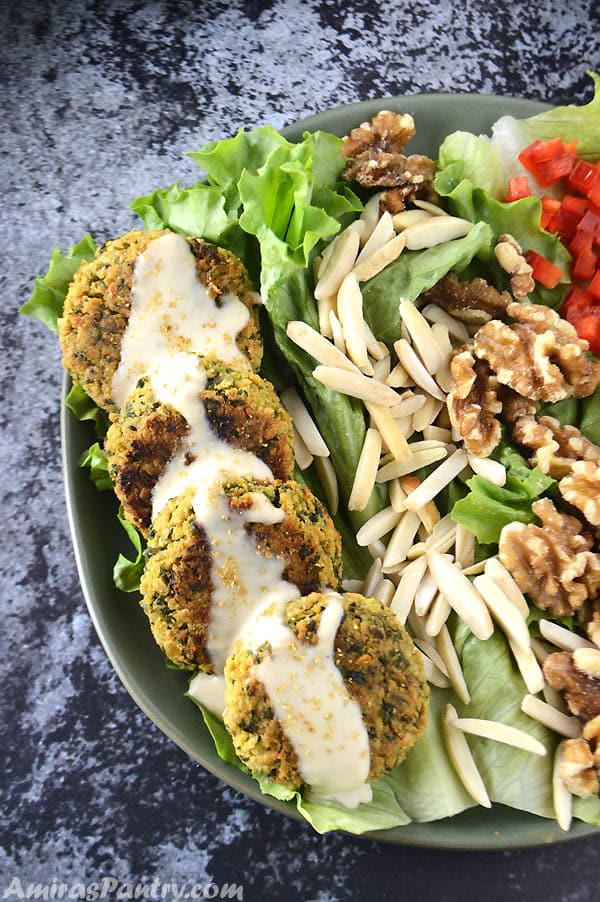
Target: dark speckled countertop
{"points": [[100, 101]]}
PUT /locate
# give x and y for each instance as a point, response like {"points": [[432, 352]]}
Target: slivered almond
{"points": [[554, 699], [302, 455], [529, 668], [304, 423], [455, 327], [366, 471], [376, 549], [325, 306], [318, 347], [436, 481], [416, 370], [448, 655], [503, 611], [401, 539], [397, 495], [390, 430], [492, 470], [373, 577], [405, 593], [352, 585], [461, 594], [370, 216], [381, 234], [433, 674], [337, 334], [377, 349], [399, 378], [462, 759], [350, 315], [499, 732], [429, 649], [422, 337], [429, 207], [443, 376], [428, 514], [438, 230], [338, 260], [381, 258], [407, 218], [541, 650], [562, 637], [377, 526], [437, 433], [408, 404], [416, 625], [561, 797], [381, 369], [384, 591], [550, 717], [503, 578], [414, 461], [438, 614], [464, 551], [425, 594], [356, 385], [328, 479], [474, 569], [426, 414]]}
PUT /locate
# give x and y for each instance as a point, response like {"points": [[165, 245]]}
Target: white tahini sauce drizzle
{"points": [[243, 579], [172, 310], [317, 714]]}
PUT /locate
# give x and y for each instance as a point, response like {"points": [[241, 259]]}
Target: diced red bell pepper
{"points": [[549, 161], [584, 266], [594, 286], [544, 272], [588, 328], [549, 218], [578, 302], [517, 189], [590, 222], [583, 176], [582, 241]]}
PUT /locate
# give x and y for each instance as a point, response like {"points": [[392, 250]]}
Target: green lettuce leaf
{"points": [[479, 158], [412, 274], [49, 293], [566, 411], [95, 458], [83, 408], [580, 123], [488, 508], [521, 219], [127, 573], [590, 417]]}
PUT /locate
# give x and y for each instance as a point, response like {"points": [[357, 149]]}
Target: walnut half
{"points": [[552, 563], [581, 763], [581, 691], [555, 447]]}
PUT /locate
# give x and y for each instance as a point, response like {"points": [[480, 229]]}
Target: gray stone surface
{"points": [[100, 101]]}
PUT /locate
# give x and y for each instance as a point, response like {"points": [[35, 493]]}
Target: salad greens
{"points": [[275, 204]]}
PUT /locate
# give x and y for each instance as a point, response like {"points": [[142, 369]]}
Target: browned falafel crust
{"points": [[98, 304], [177, 586], [380, 668], [242, 409]]}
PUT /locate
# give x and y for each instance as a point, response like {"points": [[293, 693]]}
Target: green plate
{"points": [[123, 628]]}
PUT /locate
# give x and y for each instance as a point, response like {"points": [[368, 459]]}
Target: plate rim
{"points": [[408, 835]]}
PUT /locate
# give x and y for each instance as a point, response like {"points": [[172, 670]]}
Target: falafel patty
{"points": [[381, 670], [177, 583], [242, 409], [98, 304]]}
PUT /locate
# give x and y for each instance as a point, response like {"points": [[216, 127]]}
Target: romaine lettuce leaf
{"points": [[49, 293], [95, 458], [412, 274], [479, 158], [83, 408], [127, 573]]}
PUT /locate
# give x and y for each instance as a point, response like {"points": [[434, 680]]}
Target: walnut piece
{"points": [[509, 255], [582, 489], [581, 692], [473, 403], [539, 356], [387, 132], [553, 563], [578, 770], [473, 302], [589, 618], [556, 447]]}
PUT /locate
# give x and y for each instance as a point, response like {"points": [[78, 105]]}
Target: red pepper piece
{"points": [[544, 272], [550, 208], [549, 161], [582, 241], [590, 222], [584, 266], [594, 287], [518, 188], [578, 302], [584, 174], [588, 328]]}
